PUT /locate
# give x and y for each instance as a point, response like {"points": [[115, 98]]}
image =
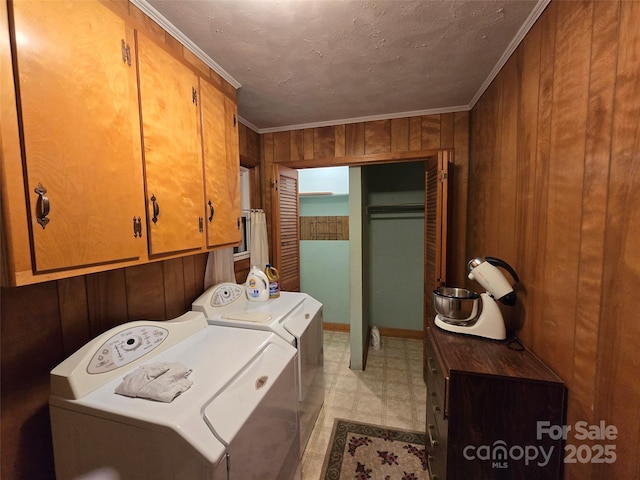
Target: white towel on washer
{"points": [[161, 381]]}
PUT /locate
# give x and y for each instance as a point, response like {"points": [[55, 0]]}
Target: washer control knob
{"points": [[132, 343]]}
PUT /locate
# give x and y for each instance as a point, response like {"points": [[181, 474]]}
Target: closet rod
{"points": [[400, 208]]}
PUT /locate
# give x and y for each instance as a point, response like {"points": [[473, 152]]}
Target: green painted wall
{"points": [[396, 246], [324, 264], [324, 274], [324, 205]]}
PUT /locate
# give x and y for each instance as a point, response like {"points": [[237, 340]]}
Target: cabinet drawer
{"points": [[436, 445], [436, 382], [436, 421]]}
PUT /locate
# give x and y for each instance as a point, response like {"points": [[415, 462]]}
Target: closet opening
{"points": [[395, 216]]}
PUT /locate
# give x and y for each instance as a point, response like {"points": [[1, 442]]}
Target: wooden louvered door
{"points": [[435, 231], [286, 235]]}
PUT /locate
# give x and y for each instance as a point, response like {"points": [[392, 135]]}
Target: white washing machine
{"points": [[237, 421], [296, 317]]}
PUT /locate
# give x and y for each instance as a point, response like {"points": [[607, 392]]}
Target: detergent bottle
{"points": [[257, 285], [375, 339], [274, 284]]}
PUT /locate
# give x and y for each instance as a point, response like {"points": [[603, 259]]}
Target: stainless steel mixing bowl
{"points": [[456, 305]]}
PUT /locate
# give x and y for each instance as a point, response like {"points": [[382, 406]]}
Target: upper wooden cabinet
{"points": [[171, 149], [221, 166], [81, 134], [101, 134]]}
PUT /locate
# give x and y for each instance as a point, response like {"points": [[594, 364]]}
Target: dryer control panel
{"points": [[125, 347], [225, 294]]}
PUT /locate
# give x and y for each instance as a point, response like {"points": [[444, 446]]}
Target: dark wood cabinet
{"points": [[489, 410]]}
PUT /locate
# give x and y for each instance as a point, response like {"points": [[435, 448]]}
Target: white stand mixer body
{"points": [[489, 324]]}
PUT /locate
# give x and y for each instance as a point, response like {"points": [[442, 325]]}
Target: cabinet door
{"points": [[78, 99], [222, 167], [171, 148]]}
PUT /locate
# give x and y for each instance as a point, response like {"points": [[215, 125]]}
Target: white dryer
{"points": [[296, 317], [238, 420]]}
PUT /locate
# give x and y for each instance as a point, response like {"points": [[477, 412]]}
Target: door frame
{"points": [[444, 158]]}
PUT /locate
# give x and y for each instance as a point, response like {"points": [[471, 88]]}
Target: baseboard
{"points": [[401, 333], [384, 331], [336, 327]]}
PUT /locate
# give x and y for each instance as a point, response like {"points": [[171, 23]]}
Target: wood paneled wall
{"points": [[555, 163], [380, 141], [249, 146]]}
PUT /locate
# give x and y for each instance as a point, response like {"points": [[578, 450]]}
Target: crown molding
{"points": [[371, 118], [184, 40]]}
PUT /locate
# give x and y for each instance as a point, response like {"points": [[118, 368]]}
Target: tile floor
{"points": [[390, 392]]}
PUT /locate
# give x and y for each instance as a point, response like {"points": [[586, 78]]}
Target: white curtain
{"points": [[258, 244], [219, 268]]}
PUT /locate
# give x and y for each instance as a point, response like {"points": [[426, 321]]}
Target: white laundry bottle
{"points": [[376, 343], [257, 285]]}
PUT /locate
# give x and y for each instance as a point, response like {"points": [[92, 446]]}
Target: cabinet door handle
{"points": [[432, 441], [211, 211], [156, 209], [431, 475], [431, 367], [43, 206]]}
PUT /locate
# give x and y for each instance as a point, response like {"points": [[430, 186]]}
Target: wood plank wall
{"points": [[397, 140], [555, 163], [249, 146]]}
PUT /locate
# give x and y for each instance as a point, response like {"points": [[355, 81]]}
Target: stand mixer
{"points": [[459, 310]]}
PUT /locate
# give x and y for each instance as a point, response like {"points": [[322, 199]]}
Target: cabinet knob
{"points": [[43, 206]]}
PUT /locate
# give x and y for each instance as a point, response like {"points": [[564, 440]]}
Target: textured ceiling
{"points": [[313, 62]]}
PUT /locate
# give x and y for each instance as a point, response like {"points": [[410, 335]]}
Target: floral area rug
{"points": [[361, 451]]}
